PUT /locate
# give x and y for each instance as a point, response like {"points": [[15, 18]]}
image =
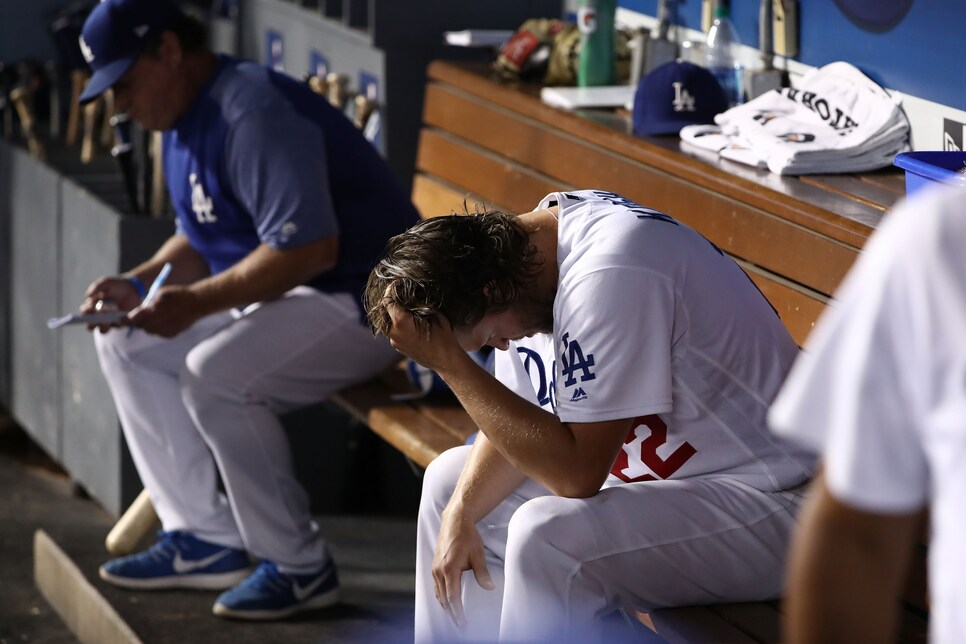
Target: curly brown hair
{"points": [[457, 266]]}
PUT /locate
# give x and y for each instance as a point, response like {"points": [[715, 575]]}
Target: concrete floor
{"points": [[375, 555]]}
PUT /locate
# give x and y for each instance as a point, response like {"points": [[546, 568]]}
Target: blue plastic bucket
{"points": [[924, 168]]}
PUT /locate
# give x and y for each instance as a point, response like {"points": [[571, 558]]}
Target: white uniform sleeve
{"points": [[614, 331], [859, 391]]}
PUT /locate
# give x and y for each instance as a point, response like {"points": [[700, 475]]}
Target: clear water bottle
{"points": [[595, 62], [721, 54]]}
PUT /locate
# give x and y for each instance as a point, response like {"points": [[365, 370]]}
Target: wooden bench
{"points": [[496, 143], [421, 429]]}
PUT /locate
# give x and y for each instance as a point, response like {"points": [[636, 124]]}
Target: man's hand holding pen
{"points": [[171, 311], [162, 310], [166, 310]]}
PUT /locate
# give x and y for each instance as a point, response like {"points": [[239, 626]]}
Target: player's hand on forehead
{"points": [[432, 346]]}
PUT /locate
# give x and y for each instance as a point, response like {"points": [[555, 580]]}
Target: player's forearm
{"points": [[187, 265], [487, 479], [846, 569], [265, 274], [533, 440]]}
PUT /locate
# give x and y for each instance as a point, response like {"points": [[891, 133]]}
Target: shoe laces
{"points": [[268, 574], [166, 546]]}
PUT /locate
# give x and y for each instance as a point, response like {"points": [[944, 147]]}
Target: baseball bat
{"points": [[78, 78], [157, 176], [338, 90], [19, 96], [130, 531], [107, 129], [91, 112], [123, 153], [319, 85], [364, 108]]}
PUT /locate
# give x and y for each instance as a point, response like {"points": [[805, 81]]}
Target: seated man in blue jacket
{"points": [[282, 207]]}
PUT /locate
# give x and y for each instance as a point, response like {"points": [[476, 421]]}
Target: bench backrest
{"points": [[796, 238]]}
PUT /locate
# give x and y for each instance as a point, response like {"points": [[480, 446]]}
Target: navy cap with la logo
{"points": [[676, 94], [115, 34]]}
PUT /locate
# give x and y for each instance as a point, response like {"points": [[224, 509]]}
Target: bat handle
{"points": [[338, 86], [137, 522], [91, 112], [157, 175], [319, 85], [19, 98], [107, 133], [364, 108]]}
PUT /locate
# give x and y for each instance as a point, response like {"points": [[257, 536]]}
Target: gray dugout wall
{"points": [[56, 238]]}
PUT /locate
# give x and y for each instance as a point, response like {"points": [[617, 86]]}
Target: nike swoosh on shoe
{"points": [[182, 566], [303, 592]]}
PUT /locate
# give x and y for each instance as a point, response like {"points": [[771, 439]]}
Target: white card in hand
{"points": [[101, 317]]}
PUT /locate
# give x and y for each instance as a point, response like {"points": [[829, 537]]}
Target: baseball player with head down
{"points": [[623, 459], [282, 208]]}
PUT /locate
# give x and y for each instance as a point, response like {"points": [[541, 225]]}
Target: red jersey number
{"points": [[646, 435]]}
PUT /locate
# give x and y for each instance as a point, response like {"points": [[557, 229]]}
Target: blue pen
{"points": [[155, 285]]}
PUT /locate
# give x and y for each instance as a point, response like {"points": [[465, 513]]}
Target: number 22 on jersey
{"points": [[638, 459]]}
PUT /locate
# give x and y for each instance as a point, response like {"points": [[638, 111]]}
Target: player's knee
{"points": [[208, 369], [206, 381], [542, 530], [439, 480]]}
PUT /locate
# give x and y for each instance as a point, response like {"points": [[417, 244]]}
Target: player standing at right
{"points": [[881, 391], [648, 478]]}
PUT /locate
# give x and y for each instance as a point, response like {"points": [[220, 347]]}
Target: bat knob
{"points": [[120, 148], [121, 124]]}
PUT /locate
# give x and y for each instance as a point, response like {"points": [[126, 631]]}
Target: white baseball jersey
{"points": [[881, 391], [653, 322]]}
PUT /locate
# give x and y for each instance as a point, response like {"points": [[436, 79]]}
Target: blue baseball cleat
{"points": [[179, 560], [271, 594]]}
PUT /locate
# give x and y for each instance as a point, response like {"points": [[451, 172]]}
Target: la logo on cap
{"points": [[86, 50], [683, 101], [674, 95]]}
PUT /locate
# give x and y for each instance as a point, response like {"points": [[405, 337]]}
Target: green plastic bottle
{"points": [[595, 64]]}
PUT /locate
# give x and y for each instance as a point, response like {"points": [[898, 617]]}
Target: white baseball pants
{"points": [[560, 564], [208, 402]]}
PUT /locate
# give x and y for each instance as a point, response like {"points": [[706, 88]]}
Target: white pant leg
{"points": [[481, 607], [171, 457], [643, 545], [278, 356]]}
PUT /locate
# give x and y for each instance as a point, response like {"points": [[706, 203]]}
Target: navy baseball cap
{"points": [[114, 36], [676, 94], [875, 16]]}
